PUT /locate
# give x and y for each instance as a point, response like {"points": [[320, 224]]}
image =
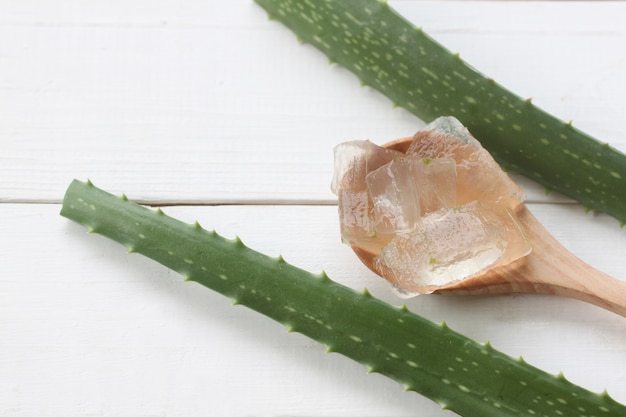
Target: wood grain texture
{"points": [[208, 102]]}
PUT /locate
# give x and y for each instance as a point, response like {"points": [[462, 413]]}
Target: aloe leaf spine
{"points": [[390, 54], [469, 378]]}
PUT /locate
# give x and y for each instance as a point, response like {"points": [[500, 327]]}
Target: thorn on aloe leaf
{"points": [[324, 276], [605, 394], [444, 406]]}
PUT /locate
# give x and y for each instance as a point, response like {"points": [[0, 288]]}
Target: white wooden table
{"points": [[209, 107]]}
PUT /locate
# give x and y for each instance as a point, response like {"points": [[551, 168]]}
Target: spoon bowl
{"points": [[549, 269]]}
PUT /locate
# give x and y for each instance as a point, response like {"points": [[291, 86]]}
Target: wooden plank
{"points": [[86, 329], [208, 102]]}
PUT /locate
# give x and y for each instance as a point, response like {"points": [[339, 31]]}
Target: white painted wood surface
{"points": [[207, 102]]}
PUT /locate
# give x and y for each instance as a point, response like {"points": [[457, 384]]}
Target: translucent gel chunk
{"points": [[518, 245], [356, 217], [479, 177], [447, 246], [354, 160], [408, 187], [436, 179], [394, 192]]}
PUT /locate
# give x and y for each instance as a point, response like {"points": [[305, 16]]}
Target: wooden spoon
{"points": [[549, 269]]}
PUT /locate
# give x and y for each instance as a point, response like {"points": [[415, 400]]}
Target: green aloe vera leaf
{"points": [[390, 54], [469, 378]]}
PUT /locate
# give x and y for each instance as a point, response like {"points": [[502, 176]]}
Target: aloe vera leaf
{"points": [[464, 376], [391, 55]]}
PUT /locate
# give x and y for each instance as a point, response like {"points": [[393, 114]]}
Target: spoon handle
{"points": [[552, 269]]}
